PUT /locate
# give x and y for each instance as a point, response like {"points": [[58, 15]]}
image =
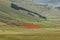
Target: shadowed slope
{"points": [[21, 8]]}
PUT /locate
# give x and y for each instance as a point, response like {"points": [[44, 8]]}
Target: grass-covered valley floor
{"points": [[31, 34]]}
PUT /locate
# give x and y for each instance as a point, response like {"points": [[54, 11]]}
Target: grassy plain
{"points": [[30, 34]]}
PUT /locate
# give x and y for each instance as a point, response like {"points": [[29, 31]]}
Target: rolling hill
{"points": [[7, 13]]}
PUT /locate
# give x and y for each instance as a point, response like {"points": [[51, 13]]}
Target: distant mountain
{"points": [[47, 1], [52, 2], [42, 1], [57, 8]]}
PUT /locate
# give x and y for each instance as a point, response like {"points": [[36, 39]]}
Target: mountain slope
{"points": [[8, 13]]}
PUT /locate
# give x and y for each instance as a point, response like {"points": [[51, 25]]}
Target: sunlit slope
{"points": [[50, 12], [15, 14], [6, 12]]}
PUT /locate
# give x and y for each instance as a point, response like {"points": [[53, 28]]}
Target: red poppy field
{"points": [[26, 25]]}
